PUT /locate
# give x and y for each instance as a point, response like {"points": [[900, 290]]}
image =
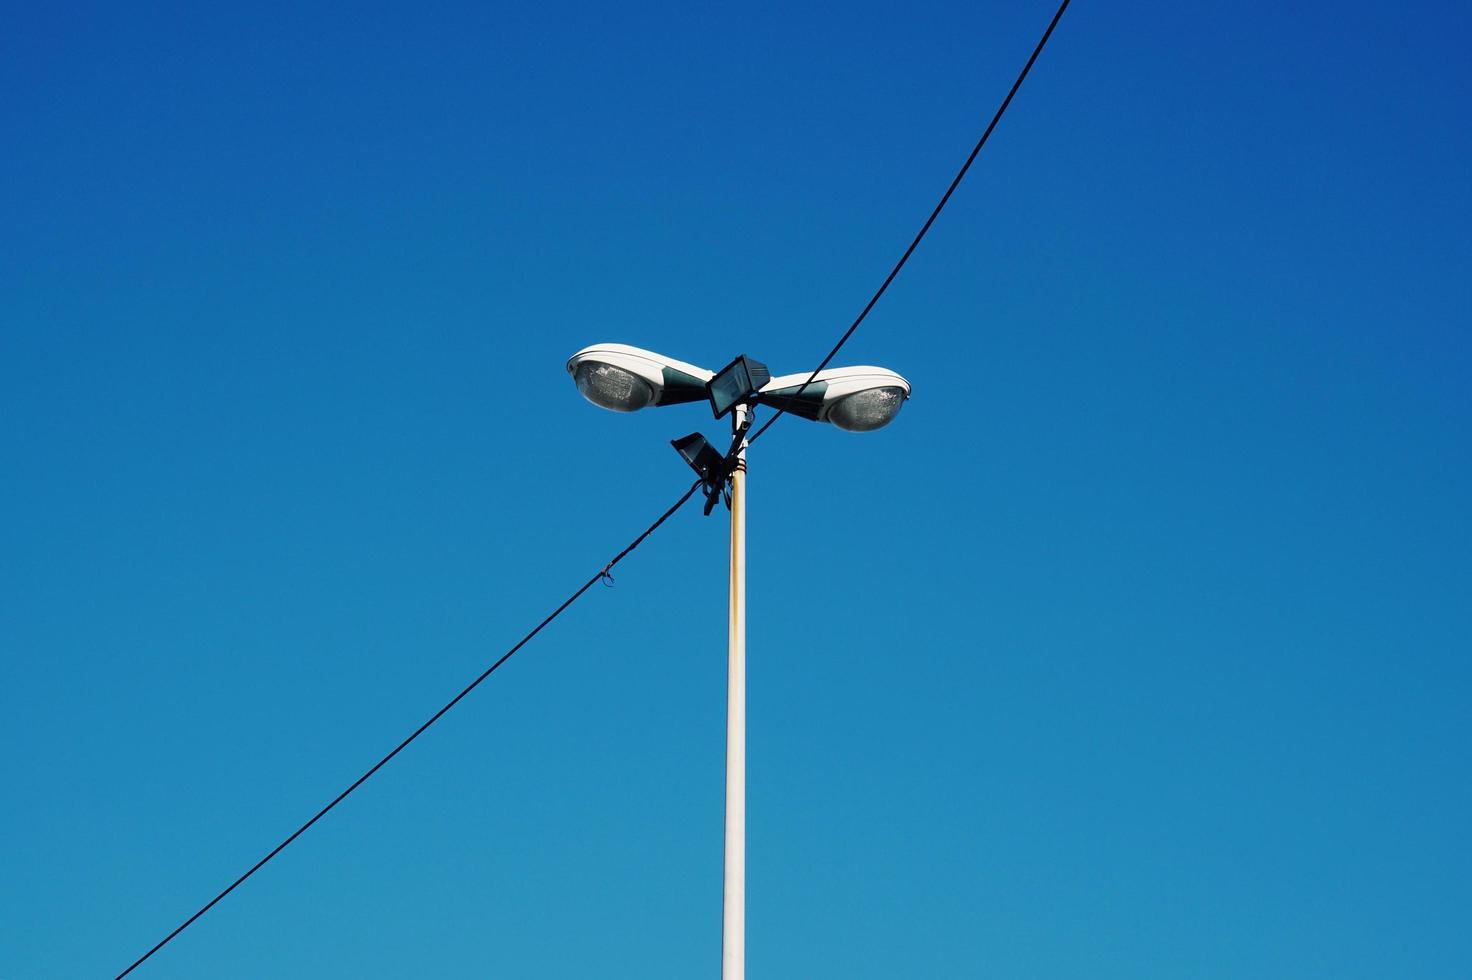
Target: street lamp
{"points": [[860, 399]]}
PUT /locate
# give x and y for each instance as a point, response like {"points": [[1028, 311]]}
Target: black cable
{"points": [[925, 228], [420, 730]]}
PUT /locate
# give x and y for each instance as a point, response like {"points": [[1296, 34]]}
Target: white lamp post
{"points": [[859, 399]]}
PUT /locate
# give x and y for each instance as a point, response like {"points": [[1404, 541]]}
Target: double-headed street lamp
{"points": [[859, 399]]}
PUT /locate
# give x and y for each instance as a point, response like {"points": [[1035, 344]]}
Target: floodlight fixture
{"points": [[735, 383]]}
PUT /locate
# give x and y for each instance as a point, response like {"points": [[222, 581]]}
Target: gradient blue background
{"points": [[1137, 647]]}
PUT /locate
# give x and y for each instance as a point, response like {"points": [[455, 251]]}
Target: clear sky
{"points": [[1136, 647]]}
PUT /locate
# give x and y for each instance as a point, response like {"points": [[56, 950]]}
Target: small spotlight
{"points": [[701, 456], [704, 460]]}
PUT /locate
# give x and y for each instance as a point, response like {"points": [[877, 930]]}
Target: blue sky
{"points": [[1136, 647]]}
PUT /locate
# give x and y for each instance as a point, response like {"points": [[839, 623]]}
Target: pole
{"points": [[733, 925]]}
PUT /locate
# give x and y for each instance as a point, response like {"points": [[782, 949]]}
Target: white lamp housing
{"points": [[858, 399], [626, 379]]}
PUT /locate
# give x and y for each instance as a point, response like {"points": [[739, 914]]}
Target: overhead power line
{"points": [[923, 228], [602, 574]]}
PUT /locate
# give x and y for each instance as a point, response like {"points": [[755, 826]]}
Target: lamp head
{"points": [[625, 379], [858, 399]]}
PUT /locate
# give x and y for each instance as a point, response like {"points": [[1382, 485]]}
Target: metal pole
{"points": [[733, 926]]}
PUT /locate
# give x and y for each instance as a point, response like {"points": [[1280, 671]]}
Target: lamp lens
{"points": [[866, 411], [614, 388]]}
